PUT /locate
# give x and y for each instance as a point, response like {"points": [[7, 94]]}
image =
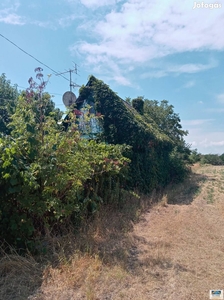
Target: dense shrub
{"points": [[212, 159], [194, 156], [50, 177], [8, 98]]}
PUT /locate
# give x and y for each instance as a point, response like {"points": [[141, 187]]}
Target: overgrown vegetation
{"points": [[52, 180], [211, 159], [111, 257], [153, 130], [8, 97], [51, 177]]}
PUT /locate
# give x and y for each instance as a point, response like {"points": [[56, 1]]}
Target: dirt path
{"points": [[181, 247], [175, 251]]}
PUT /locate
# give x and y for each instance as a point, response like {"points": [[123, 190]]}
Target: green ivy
{"points": [[152, 164]]}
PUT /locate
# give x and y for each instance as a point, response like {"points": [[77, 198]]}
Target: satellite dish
{"points": [[69, 98]]}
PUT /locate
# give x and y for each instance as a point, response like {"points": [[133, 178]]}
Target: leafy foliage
{"points": [[8, 97], [212, 159], [51, 177], [194, 156], [138, 104], [155, 137], [163, 114]]}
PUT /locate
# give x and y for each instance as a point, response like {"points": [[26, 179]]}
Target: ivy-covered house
{"points": [[151, 159]]}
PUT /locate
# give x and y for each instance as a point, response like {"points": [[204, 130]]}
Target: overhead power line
{"points": [[56, 73]]}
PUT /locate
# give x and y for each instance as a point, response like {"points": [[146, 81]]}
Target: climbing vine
{"points": [[153, 163]]}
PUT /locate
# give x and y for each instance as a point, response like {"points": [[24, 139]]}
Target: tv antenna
{"points": [[70, 71], [69, 98]]}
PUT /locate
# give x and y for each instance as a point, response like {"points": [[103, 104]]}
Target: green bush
{"points": [[194, 157], [8, 98], [50, 177], [212, 159]]}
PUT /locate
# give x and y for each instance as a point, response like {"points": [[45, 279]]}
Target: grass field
{"points": [[168, 246]]}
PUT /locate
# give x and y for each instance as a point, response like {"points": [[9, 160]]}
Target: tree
{"points": [[138, 104], [8, 99], [165, 117], [128, 100], [212, 159], [194, 156], [162, 113], [222, 158]]}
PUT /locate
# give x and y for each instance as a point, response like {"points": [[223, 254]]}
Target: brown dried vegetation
{"points": [[172, 249]]}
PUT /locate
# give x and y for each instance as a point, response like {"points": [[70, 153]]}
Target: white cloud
{"points": [[44, 24], [192, 68], [215, 110], [11, 18], [67, 21], [168, 69], [139, 31], [220, 98], [122, 80], [94, 4], [8, 15], [154, 74], [201, 138], [206, 142], [196, 122], [189, 84], [220, 143], [97, 3]]}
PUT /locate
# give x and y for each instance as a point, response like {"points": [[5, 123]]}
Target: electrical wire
{"points": [[13, 100], [56, 73]]}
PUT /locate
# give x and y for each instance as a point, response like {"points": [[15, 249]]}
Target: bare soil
{"points": [[173, 249]]}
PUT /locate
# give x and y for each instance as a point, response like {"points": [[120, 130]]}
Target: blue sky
{"points": [[157, 49]]}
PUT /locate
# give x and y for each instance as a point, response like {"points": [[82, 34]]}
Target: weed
{"points": [[210, 195], [172, 252]]}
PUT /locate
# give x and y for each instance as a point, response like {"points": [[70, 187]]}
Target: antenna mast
{"points": [[69, 98], [70, 71]]}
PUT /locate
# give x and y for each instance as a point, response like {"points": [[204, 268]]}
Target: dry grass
{"points": [[173, 249], [19, 276]]}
